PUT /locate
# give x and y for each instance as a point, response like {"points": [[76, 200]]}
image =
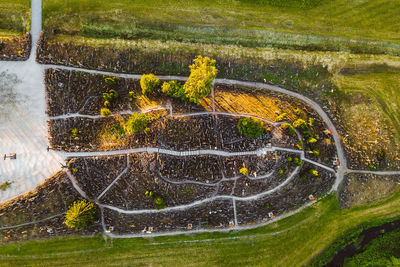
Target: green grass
{"points": [[14, 17], [383, 251], [320, 25], [379, 82], [292, 241]]}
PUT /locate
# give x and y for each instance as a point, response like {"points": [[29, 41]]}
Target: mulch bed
{"points": [[291, 196], [94, 174], [51, 198], [79, 92], [179, 134], [15, 49], [211, 215]]}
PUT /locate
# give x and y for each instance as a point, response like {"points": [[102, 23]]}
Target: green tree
{"points": [[80, 214], [251, 128], [149, 83], [199, 83], [136, 123]]}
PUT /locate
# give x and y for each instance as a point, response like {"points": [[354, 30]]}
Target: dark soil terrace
{"points": [[78, 92], [180, 134], [96, 173], [16, 49], [219, 213], [176, 179], [52, 198], [289, 197], [215, 214]]}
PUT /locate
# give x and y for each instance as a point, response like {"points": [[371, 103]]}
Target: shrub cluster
{"points": [[251, 128]]}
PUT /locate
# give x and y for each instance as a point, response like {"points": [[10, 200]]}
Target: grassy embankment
{"points": [[14, 17], [358, 26], [290, 242]]}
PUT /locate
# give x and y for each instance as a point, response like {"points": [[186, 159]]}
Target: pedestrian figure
{"points": [[48, 148]]}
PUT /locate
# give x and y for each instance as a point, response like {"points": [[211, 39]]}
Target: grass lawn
{"points": [[327, 25], [371, 108], [290, 242], [383, 251], [14, 17]]}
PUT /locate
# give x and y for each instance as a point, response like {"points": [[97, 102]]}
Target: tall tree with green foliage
{"points": [[80, 214], [199, 83]]}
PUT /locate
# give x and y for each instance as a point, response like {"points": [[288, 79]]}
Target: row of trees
{"points": [[197, 86]]}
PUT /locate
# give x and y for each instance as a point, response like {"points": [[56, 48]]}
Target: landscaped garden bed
{"points": [[40, 213], [15, 48], [175, 133], [210, 215], [71, 92], [94, 174], [290, 196]]}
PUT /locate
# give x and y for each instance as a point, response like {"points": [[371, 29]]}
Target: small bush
{"points": [[281, 117], [110, 80], [289, 128], [149, 83], [105, 112], [314, 173], [131, 96], [173, 89], [300, 145], [110, 96], [251, 128], [299, 123], [80, 214], [244, 171], [159, 203], [280, 172], [312, 140], [298, 162], [73, 132], [5, 185], [136, 123]]}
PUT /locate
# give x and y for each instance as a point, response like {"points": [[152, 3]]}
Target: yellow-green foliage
{"points": [[136, 123], [312, 140], [173, 89], [244, 171], [299, 123], [281, 117], [199, 83], [80, 214], [314, 173], [149, 83], [105, 112]]}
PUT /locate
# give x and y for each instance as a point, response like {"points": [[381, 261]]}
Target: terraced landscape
{"points": [[193, 174]]}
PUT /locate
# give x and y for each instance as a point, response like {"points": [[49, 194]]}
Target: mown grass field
{"points": [[293, 241], [311, 24], [14, 17]]}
